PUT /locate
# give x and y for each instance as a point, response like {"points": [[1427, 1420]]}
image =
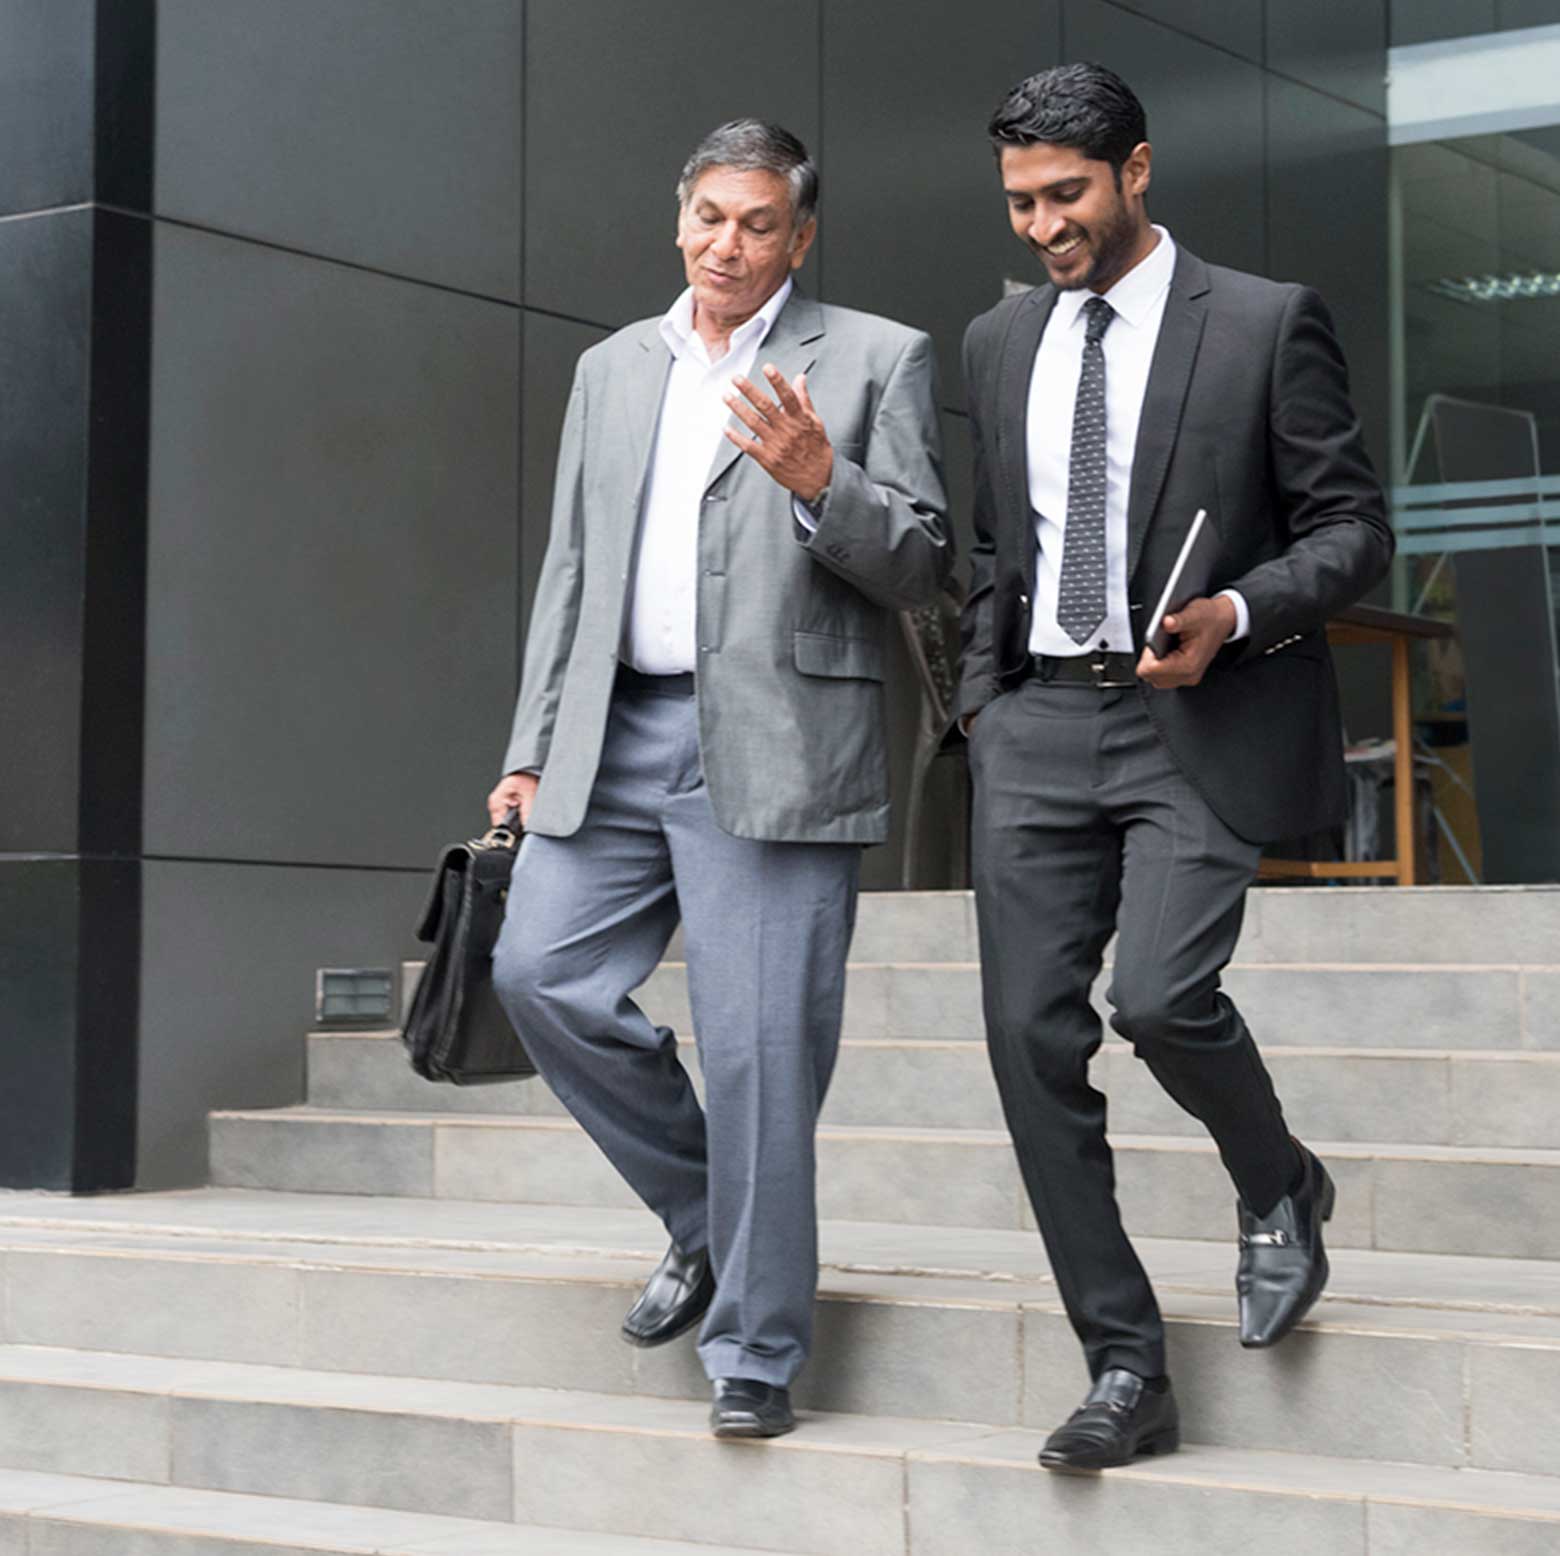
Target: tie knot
{"points": [[1097, 314]]}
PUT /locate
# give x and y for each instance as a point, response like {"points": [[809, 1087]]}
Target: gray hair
{"points": [[752, 146]]}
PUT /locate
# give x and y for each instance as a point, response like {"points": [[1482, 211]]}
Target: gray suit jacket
{"points": [[790, 625]]}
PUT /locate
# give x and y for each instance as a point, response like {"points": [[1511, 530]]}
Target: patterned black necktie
{"points": [[1080, 604]]}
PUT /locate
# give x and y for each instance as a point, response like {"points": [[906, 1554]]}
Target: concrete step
{"points": [[842, 1486], [1442, 1346], [76, 1515], [1412, 1198], [1316, 1004], [1417, 1096], [1433, 924]]}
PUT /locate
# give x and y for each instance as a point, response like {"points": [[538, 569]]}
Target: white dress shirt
{"points": [[659, 629], [1138, 300]]}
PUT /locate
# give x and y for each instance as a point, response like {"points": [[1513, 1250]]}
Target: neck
{"points": [[1143, 245], [716, 332]]}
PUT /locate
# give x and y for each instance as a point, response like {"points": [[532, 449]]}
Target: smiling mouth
{"points": [[1064, 247]]}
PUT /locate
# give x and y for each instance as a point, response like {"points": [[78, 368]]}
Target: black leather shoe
{"points": [[673, 1301], [1283, 1265], [744, 1407], [1121, 1418]]}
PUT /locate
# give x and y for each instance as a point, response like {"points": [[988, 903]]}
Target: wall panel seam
{"points": [[186, 225]]}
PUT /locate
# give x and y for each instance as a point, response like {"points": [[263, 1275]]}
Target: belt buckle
{"points": [[1099, 666]]}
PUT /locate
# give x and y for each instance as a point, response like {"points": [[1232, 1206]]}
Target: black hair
{"points": [[1083, 106]]}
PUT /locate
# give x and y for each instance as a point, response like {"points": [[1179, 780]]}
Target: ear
{"points": [[803, 241], [1137, 171]]}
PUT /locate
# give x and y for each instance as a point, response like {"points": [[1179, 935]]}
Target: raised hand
{"points": [[788, 438]]}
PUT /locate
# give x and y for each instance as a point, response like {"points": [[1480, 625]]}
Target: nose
{"points": [[727, 240], [1047, 226]]}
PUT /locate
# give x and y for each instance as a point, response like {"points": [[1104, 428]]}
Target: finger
{"points": [[800, 385], [756, 397], [746, 414], [746, 444], [790, 402]]}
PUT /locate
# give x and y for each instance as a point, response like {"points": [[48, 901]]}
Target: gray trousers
{"points": [[767, 927], [1083, 825]]}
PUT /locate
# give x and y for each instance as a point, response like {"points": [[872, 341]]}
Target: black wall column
{"points": [[75, 298]]}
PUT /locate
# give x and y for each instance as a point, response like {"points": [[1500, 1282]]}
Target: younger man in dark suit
{"points": [[1117, 791]]}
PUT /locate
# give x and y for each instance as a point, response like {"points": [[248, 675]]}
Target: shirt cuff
{"points": [[804, 516], [1242, 615]]}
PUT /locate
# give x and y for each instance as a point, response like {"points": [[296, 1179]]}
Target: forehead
{"points": [[738, 190], [1036, 167]]}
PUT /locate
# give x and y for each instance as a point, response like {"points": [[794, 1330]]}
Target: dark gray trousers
{"points": [[767, 927], [1083, 826]]}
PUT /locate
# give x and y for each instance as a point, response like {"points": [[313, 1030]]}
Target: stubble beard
{"points": [[1112, 242]]}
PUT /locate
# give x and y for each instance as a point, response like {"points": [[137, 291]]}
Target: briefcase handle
{"points": [[507, 833]]}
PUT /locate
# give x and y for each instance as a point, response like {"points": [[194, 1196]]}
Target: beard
{"points": [[1110, 243]]}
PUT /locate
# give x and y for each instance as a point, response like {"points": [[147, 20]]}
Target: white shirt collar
{"points": [[1133, 297], [680, 336]]}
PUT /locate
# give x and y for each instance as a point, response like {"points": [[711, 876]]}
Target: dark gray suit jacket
{"points": [[1246, 414]]}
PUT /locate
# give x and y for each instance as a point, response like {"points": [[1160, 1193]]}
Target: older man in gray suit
{"points": [[746, 486]]}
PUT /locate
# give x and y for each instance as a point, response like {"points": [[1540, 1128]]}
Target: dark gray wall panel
{"points": [[228, 960], [384, 134], [45, 103], [616, 97], [1232, 24], [45, 319], [552, 347], [39, 945], [1511, 14], [912, 204], [332, 557], [1339, 46], [1204, 116], [1328, 160], [1427, 21]]}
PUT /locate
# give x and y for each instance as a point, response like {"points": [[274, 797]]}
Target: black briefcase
{"points": [[456, 1030]]}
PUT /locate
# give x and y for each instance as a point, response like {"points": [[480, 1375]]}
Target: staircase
{"points": [[391, 1324]]}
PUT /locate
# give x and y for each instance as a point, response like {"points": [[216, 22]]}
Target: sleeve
{"points": [[977, 662], [883, 525], [555, 609], [1333, 512]]}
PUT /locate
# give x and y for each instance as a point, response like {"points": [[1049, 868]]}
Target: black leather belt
{"points": [[631, 680], [1099, 670]]}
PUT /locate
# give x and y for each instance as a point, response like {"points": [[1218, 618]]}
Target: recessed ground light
{"points": [[354, 997]]}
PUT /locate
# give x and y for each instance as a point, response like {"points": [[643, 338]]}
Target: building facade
{"points": [[290, 296]]}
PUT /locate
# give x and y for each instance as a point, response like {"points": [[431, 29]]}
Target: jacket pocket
{"points": [[819, 653]]}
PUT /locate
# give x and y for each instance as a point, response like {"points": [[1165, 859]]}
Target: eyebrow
{"points": [[757, 210], [1045, 189]]}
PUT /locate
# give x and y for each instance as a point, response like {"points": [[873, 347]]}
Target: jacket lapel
{"points": [[1180, 333], [643, 388], [792, 345], [1014, 373]]}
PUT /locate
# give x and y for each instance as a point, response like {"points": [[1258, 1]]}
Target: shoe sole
{"points": [[1324, 1271], [1151, 1447], [748, 1427]]}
